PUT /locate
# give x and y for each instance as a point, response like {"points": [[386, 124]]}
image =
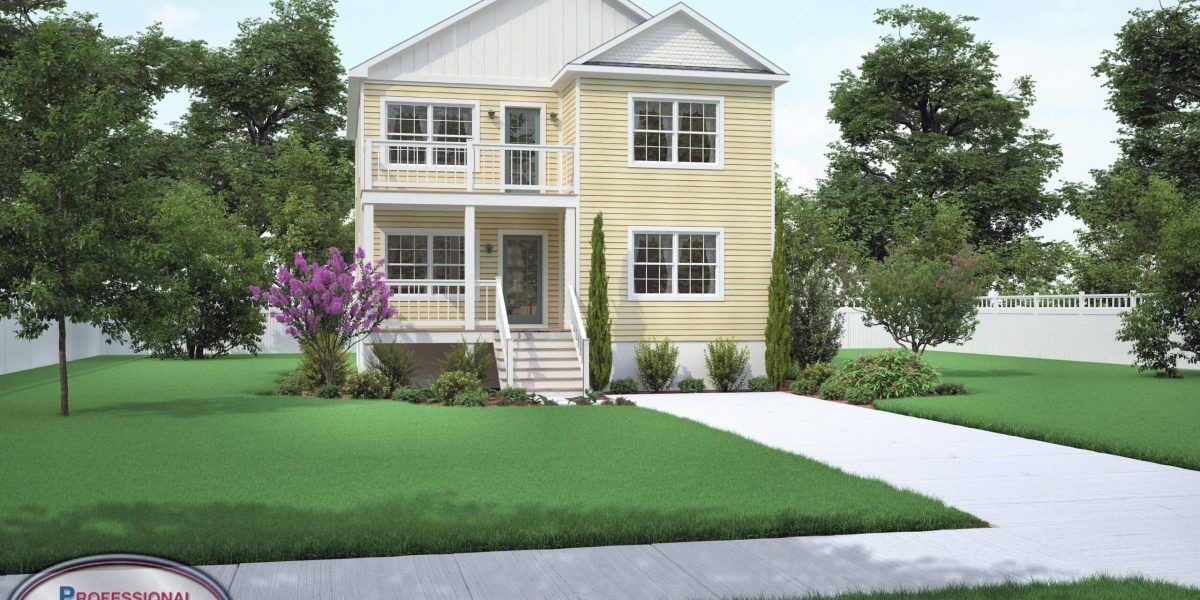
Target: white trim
{"points": [[700, 19], [384, 101], [675, 296], [630, 121], [545, 276], [774, 173], [460, 199], [664, 74], [362, 69]]}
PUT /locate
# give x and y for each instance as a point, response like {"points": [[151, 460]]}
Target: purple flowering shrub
{"points": [[919, 300], [328, 307]]}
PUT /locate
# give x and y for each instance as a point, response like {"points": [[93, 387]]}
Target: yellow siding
{"points": [[489, 224], [737, 198]]}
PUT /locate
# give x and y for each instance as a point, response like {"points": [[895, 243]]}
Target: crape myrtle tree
{"points": [[599, 325], [1143, 213], [77, 147], [329, 307], [924, 121]]}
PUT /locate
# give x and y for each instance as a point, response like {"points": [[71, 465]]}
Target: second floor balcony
{"points": [[470, 167]]}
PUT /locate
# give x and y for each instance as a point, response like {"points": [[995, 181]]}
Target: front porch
{"points": [[486, 267]]}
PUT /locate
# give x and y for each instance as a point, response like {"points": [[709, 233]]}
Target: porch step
{"points": [[542, 361]]}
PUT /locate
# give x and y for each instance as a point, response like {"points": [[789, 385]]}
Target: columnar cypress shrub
{"points": [[779, 329], [599, 326]]}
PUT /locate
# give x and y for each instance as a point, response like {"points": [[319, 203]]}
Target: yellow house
{"points": [[487, 144]]}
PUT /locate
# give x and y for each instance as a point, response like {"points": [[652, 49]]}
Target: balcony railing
{"points": [[471, 167], [443, 303]]}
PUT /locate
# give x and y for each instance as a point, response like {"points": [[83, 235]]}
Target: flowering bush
{"points": [[889, 374], [328, 307], [919, 300]]}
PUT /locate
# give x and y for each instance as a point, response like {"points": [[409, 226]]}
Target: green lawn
{"points": [[189, 460], [1099, 588], [1107, 408]]}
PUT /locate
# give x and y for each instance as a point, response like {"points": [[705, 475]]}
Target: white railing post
{"points": [[472, 286], [1082, 299], [1037, 302], [369, 165], [470, 166]]}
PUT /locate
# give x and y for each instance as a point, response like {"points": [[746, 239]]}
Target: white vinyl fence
{"points": [[84, 341], [1079, 327]]}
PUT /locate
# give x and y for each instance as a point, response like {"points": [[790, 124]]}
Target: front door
{"points": [[521, 269], [522, 126]]}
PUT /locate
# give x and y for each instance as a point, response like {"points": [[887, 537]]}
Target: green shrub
{"points": [[411, 395], [618, 401], [623, 386], [817, 372], [515, 395], [657, 364], [832, 389], [779, 326], [949, 389], [599, 324], [292, 384], [449, 384], [761, 384], [861, 396], [328, 390], [475, 359], [726, 362], [890, 374], [691, 385], [806, 387], [322, 349], [367, 385], [472, 397], [394, 362]]}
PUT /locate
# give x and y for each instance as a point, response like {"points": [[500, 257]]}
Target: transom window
{"points": [[679, 132], [451, 124], [675, 264], [416, 257]]}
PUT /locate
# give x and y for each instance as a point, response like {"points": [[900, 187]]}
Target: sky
{"points": [[1057, 42]]}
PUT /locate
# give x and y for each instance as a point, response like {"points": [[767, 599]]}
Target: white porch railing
{"points": [[426, 303], [471, 166], [505, 334], [579, 335]]}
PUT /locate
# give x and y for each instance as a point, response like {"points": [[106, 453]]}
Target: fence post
{"points": [[1082, 302], [1037, 302]]}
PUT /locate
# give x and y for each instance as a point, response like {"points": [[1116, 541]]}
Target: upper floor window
{"points": [[684, 132], [442, 129], [676, 264]]}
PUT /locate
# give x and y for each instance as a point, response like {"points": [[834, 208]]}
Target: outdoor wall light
{"points": [[554, 117], [491, 114], [487, 248]]}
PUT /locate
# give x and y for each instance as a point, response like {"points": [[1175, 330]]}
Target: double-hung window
{"points": [[442, 130], [676, 132], [422, 259], [676, 263]]}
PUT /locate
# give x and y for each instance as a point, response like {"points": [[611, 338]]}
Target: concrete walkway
{"points": [[1058, 513]]}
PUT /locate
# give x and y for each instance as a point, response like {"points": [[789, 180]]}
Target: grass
{"points": [[1107, 408], [1097, 588], [191, 461]]}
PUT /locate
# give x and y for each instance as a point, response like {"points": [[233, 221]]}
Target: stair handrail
{"points": [[504, 332], [579, 336]]}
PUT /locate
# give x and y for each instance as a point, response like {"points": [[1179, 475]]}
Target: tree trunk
{"points": [[63, 408]]}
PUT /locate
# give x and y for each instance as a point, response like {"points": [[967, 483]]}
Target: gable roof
{"points": [[630, 13], [679, 38]]}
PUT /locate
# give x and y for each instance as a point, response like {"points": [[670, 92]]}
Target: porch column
{"points": [[472, 267], [570, 259], [366, 241]]}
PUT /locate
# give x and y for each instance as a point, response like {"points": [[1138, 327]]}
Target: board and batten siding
{"points": [[489, 224], [737, 198]]}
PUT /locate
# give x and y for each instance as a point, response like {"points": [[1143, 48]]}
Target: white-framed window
{"points": [[676, 263], [417, 256], [442, 127], [686, 132]]}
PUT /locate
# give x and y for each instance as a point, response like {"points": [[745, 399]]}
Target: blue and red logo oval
{"points": [[120, 577]]}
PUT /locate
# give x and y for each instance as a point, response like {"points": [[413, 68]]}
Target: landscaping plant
{"points": [[889, 374], [367, 385], [327, 390], [691, 385], [779, 329], [832, 389], [329, 307], [761, 384], [657, 364], [292, 384], [805, 387], [949, 389], [412, 395], [514, 395], [624, 385], [599, 325], [861, 396], [451, 383], [817, 372], [394, 362], [471, 397], [726, 362], [474, 358]]}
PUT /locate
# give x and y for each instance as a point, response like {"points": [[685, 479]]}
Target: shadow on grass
{"points": [[221, 533], [187, 408], [985, 373]]}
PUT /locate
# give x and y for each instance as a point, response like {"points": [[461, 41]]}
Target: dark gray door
{"points": [[522, 273]]}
